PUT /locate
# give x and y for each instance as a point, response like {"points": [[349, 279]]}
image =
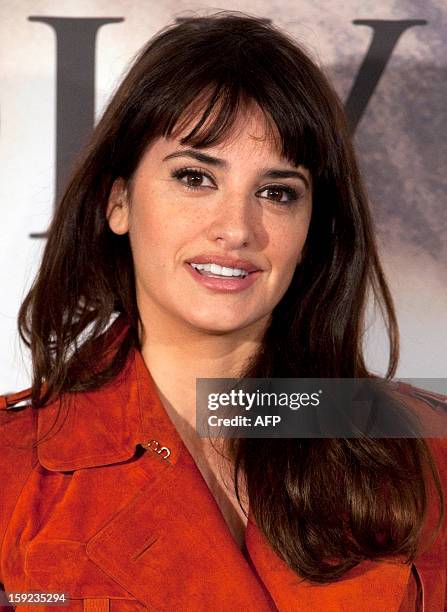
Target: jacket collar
{"points": [[93, 428]]}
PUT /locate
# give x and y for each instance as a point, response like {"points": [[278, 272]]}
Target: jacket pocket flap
{"points": [[59, 565]]}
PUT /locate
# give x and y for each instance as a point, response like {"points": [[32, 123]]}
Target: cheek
{"points": [[159, 236], [288, 246]]}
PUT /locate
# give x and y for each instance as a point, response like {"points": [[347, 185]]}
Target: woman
{"points": [[225, 151]]}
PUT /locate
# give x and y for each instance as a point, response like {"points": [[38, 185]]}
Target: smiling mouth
{"points": [[221, 283], [217, 271]]}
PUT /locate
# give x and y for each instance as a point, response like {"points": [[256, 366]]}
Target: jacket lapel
{"points": [[102, 427], [171, 549], [370, 587], [160, 545]]}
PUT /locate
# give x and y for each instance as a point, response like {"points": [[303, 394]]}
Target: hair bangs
{"points": [[217, 114], [212, 115]]}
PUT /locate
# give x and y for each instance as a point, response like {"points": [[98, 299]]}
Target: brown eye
{"points": [[275, 193], [194, 178], [280, 193]]}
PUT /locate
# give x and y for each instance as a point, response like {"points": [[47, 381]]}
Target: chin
{"points": [[218, 327]]}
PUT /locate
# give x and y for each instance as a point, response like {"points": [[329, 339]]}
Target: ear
{"points": [[118, 208]]}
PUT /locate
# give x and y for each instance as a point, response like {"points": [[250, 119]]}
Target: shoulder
{"points": [[17, 445], [17, 451], [17, 420], [13, 404]]}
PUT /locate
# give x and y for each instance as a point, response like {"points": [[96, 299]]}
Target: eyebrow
{"points": [[271, 173]]}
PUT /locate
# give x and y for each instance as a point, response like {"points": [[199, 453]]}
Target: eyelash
{"points": [[182, 172]]}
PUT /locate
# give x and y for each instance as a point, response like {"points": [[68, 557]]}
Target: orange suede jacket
{"points": [[111, 509]]}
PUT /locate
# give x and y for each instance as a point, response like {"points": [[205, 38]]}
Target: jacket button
{"points": [[154, 445]]}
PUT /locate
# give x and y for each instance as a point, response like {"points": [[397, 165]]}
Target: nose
{"points": [[233, 221]]}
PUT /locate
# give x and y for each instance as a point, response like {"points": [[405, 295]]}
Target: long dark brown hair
{"points": [[306, 495]]}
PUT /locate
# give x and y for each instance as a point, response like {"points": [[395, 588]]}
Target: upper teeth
{"points": [[216, 269]]}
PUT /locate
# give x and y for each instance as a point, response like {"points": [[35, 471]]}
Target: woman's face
{"points": [[238, 200]]}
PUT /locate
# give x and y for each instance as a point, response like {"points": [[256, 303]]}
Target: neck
{"points": [[176, 355]]}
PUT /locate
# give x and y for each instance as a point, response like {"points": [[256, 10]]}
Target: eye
{"points": [[277, 193], [195, 178]]}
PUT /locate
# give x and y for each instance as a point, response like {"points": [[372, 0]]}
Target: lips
{"points": [[228, 262]]}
